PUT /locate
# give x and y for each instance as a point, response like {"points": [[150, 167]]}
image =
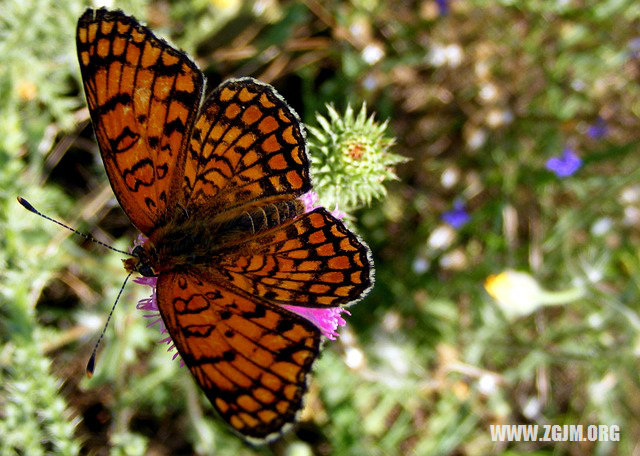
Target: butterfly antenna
{"points": [[30, 208], [92, 361]]}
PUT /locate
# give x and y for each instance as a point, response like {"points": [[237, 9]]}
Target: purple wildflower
{"points": [[443, 6], [599, 129], [458, 216], [565, 165], [634, 48]]}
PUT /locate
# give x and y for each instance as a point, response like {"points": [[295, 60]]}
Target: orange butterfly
{"points": [[215, 188]]}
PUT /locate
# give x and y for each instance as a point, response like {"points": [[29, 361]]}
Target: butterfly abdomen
{"points": [[262, 218]]}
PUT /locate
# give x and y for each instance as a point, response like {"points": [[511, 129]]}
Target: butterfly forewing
{"points": [[247, 149], [143, 96], [250, 358]]}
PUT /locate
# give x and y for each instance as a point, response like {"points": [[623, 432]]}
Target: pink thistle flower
{"points": [[140, 240], [326, 320], [310, 200], [150, 306], [337, 213]]}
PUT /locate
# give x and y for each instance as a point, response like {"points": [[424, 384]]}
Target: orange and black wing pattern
{"points": [[250, 358], [311, 261], [178, 166], [143, 96], [247, 149]]}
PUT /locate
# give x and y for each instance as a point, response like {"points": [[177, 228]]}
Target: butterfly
{"points": [[215, 186]]}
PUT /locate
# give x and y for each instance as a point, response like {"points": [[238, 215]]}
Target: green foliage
{"points": [[35, 418], [37, 68], [479, 99]]}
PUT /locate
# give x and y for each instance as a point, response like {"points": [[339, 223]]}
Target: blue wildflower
{"points": [[565, 165], [599, 129], [634, 48], [458, 216], [443, 6]]}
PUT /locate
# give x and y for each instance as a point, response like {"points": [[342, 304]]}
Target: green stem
{"points": [[552, 298]]}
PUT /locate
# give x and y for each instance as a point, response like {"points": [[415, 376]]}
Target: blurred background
{"points": [[507, 255]]}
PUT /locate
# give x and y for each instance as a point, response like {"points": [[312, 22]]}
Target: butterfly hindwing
{"points": [[143, 96], [247, 150], [249, 357], [311, 261]]}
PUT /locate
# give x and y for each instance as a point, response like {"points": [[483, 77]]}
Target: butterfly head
{"points": [[140, 262]]}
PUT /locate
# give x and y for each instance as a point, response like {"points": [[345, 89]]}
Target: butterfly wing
{"points": [[311, 261], [247, 149], [250, 358], [143, 96]]}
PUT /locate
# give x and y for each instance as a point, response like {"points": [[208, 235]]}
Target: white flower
{"points": [[372, 53], [487, 384], [441, 55], [631, 216], [532, 408], [488, 93], [442, 237], [437, 56], [601, 226], [453, 53], [420, 265], [600, 391], [475, 138], [499, 117], [450, 177], [455, 260], [518, 294], [630, 195], [354, 358]]}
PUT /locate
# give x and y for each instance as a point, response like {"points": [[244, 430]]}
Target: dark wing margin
{"points": [[250, 358], [143, 96]]}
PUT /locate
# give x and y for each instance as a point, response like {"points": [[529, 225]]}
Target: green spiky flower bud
{"points": [[350, 158]]}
